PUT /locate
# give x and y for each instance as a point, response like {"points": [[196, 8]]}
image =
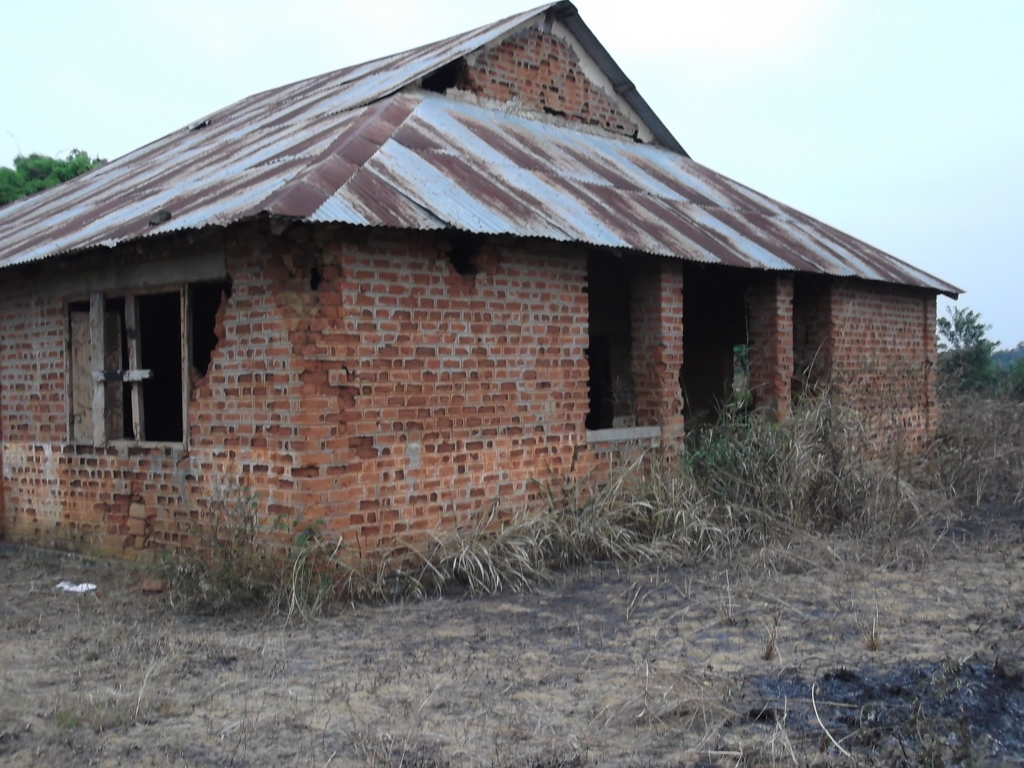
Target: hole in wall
{"points": [[315, 278], [463, 251], [206, 300], [811, 313], [714, 368], [451, 75], [147, 406], [741, 375]]}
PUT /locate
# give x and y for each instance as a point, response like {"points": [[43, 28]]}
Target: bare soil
{"points": [[794, 655]]}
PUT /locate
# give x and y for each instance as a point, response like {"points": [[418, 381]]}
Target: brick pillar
{"points": [[931, 362], [656, 309], [770, 329]]}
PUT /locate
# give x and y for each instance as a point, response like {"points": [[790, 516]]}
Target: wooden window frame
{"points": [[134, 374]]}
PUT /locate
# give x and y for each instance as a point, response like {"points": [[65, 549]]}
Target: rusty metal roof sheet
{"points": [[360, 147]]}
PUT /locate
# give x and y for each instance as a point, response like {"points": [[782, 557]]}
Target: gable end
{"points": [[544, 72]]}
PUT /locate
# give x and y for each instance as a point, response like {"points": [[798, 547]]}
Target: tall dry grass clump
{"points": [[746, 480], [977, 456], [816, 471]]}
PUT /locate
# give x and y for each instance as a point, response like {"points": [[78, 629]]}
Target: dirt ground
{"points": [[791, 656]]}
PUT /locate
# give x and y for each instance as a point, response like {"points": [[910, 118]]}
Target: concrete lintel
{"points": [[623, 434]]}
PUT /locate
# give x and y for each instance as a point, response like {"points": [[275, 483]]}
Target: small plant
{"points": [[228, 561], [771, 642], [872, 640]]}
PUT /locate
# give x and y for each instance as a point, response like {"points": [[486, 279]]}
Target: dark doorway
{"points": [[612, 402], [714, 339]]}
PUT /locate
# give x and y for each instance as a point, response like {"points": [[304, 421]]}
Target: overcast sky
{"points": [[901, 123]]}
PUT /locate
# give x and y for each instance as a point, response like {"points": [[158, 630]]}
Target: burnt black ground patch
{"points": [[971, 707]]}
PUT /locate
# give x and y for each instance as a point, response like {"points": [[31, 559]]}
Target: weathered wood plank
{"points": [[114, 395], [131, 324], [130, 375], [210, 265], [97, 336], [82, 386]]}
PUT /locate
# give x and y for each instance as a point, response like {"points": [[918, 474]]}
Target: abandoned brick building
{"points": [[393, 295]]}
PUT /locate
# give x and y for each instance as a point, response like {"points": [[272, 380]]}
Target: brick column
{"points": [[656, 309], [930, 364], [770, 338]]}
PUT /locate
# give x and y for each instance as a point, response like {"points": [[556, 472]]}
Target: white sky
{"points": [[901, 123]]}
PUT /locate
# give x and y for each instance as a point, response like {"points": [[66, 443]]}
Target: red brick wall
{"points": [[65, 494], [541, 72], [882, 349], [398, 395], [874, 341], [453, 391]]}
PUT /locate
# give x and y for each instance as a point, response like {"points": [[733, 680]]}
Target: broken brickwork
{"points": [[543, 73]]}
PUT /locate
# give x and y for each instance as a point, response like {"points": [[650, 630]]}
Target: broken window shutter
{"points": [[114, 394], [185, 315], [97, 342], [131, 324], [81, 378]]}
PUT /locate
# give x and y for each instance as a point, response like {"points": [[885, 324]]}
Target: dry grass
{"points": [[604, 666], [748, 481], [778, 594], [978, 455]]}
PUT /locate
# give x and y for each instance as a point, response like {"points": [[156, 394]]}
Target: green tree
{"points": [[35, 172], [1013, 379], [965, 352]]}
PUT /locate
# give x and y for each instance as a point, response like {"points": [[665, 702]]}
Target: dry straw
{"points": [[745, 481]]}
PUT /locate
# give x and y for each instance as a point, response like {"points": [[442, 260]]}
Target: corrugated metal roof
{"points": [[353, 147]]}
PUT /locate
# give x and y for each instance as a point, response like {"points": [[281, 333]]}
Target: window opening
{"points": [[810, 332], [609, 350], [98, 384], [741, 393], [130, 357], [159, 329]]}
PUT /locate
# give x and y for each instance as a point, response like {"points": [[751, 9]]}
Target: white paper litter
{"points": [[68, 586]]}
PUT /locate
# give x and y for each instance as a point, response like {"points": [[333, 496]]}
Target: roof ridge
{"points": [[449, 47]]}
